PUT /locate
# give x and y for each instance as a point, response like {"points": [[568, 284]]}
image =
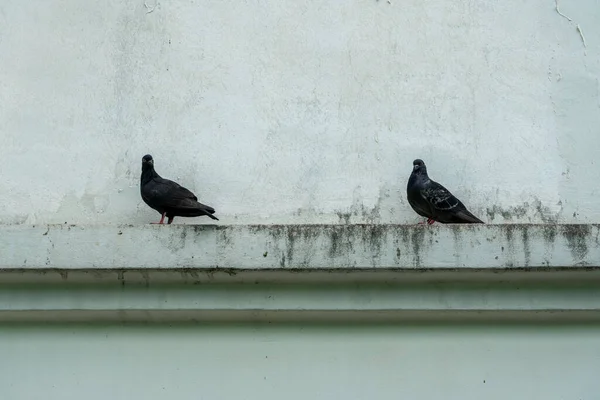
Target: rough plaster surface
{"points": [[299, 246], [299, 111]]}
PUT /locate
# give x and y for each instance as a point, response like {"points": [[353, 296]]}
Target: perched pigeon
{"points": [[167, 197], [433, 201]]}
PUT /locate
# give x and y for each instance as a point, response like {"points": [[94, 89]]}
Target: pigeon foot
{"points": [[161, 220]]}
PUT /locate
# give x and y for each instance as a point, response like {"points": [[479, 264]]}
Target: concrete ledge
{"points": [[327, 273], [281, 247]]}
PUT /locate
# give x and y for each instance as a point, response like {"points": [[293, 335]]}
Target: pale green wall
{"points": [[296, 362]]}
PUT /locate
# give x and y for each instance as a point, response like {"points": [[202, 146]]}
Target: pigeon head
{"points": [[147, 162], [419, 167]]}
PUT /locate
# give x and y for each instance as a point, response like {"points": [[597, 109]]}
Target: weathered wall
{"points": [[299, 111]]}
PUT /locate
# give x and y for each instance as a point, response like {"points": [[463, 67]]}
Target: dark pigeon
{"points": [[433, 201], [167, 197]]}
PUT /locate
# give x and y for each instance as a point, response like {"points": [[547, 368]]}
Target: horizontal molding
{"points": [[462, 317], [211, 301], [350, 297], [318, 273], [335, 276]]}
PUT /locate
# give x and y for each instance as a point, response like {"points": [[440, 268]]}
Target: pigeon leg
{"points": [[161, 220], [170, 220], [430, 221]]}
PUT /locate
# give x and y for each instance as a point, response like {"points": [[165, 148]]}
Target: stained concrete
{"points": [[308, 247]]}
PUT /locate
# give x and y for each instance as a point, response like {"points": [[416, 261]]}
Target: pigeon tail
{"points": [[209, 211]]}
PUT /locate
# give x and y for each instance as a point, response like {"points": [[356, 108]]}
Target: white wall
{"points": [[299, 111]]}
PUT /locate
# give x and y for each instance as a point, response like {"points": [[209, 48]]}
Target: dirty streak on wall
{"points": [[299, 111]]}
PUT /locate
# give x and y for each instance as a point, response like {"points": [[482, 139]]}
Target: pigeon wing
{"points": [[183, 199], [168, 194], [440, 199]]}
